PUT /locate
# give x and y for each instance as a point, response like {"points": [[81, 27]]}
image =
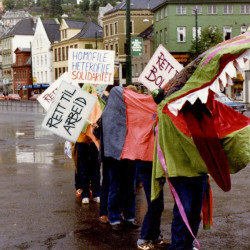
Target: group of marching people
{"points": [[111, 181]]}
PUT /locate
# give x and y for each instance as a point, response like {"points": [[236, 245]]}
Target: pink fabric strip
{"points": [[175, 194]]}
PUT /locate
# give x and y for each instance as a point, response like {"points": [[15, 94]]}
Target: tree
{"points": [[84, 5], [95, 5], [55, 8], [210, 36], [9, 4]]}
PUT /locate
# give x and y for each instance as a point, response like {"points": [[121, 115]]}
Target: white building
{"points": [[103, 10], [46, 33], [11, 18]]}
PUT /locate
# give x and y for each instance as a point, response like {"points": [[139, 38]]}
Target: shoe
{"points": [[146, 246], [96, 199], [78, 193], [162, 243], [131, 225], [117, 227], [85, 201], [104, 219]]}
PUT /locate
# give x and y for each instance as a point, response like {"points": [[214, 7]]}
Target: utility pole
{"points": [[196, 32], [128, 44], [96, 40]]}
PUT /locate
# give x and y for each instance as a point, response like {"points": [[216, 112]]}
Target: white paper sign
{"points": [[91, 66], [69, 112], [46, 98], [160, 69]]}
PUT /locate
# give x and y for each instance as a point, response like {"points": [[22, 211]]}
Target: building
{"points": [[102, 11], [77, 35], [11, 18], [21, 35], [22, 73], [114, 29], [175, 24], [46, 33], [140, 62]]}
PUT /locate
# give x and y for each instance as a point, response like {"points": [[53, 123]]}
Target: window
{"points": [[181, 10], [106, 47], [145, 49], [227, 31], [65, 33], [161, 36], [67, 52], [198, 8], [227, 9], [194, 32], [106, 31], [63, 53], [37, 60], [156, 38], [211, 9], [46, 76], [245, 9], [59, 54], [55, 55], [166, 35], [116, 28], [157, 16], [181, 34], [116, 49], [45, 59], [111, 29], [111, 47], [162, 13], [41, 60], [243, 29], [166, 11], [76, 46]]}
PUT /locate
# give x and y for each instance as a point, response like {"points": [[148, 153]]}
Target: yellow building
{"points": [[74, 34], [114, 30]]}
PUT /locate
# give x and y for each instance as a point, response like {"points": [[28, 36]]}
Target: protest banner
{"points": [[91, 66], [46, 98], [160, 69], [69, 112]]}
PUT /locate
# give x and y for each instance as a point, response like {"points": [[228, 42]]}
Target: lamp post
{"points": [[128, 44], [96, 34]]}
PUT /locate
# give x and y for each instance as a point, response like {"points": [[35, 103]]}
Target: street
{"points": [[39, 209]]}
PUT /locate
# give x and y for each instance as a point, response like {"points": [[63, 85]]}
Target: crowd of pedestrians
{"points": [[112, 182]]}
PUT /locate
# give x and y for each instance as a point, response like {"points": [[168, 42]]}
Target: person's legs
{"points": [[191, 192], [128, 179], [114, 197], [104, 188], [94, 170], [83, 169], [150, 230]]}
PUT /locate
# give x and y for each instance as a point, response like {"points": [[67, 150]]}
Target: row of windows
{"points": [[161, 37], [42, 77], [60, 71], [112, 28], [40, 60], [20, 75], [137, 69], [62, 54], [114, 47], [64, 34], [211, 9]]}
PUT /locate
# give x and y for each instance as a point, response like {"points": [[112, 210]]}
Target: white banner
{"points": [[69, 112], [46, 98], [160, 69], [91, 66]]}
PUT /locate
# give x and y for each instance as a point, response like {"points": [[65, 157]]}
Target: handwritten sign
{"points": [[160, 69], [46, 98], [69, 112], [91, 66]]}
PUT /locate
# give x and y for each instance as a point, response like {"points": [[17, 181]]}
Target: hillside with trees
{"points": [[86, 10]]}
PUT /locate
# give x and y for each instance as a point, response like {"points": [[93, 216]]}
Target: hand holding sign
{"points": [[69, 112], [160, 69]]}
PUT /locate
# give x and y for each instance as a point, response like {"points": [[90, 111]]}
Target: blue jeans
{"points": [[191, 191], [88, 169], [150, 230], [104, 187], [121, 190]]}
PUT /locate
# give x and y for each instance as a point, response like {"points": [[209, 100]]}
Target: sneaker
{"points": [[131, 225], [85, 201], [96, 199], [146, 246], [78, 193], [162, 243], [104, 219], [117, 227]]}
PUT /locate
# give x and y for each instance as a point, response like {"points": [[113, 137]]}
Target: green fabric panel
{"points": [[237, 149]]}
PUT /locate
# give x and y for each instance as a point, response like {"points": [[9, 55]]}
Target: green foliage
{"points": [[84, 5], [210, 36], [55, 8], [9, 4], [95, 5]]}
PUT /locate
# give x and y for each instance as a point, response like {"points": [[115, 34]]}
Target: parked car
{"points": [[240, 107], [2, 97], [13, 97], [34, 97]]}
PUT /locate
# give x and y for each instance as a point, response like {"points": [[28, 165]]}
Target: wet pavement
{"points": [[38, 208]]}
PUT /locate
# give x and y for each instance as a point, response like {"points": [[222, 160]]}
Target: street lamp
{"points": [[128, 44], [96, 38]]}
